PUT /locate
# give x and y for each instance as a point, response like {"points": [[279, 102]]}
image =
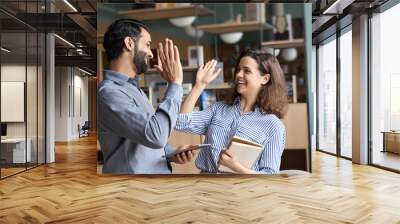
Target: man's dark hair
{"points": [[114, 37]]}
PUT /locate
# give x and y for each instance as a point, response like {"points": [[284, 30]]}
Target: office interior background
{"points": [[47, 81], [50, 68], [356, 84]]}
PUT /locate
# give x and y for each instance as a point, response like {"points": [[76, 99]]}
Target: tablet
{"points": [[193, 147]]}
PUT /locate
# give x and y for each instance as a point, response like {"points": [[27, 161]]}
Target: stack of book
{"points": [[247, 151]]}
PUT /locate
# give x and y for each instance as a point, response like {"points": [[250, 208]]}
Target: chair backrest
{"points": [[86, 125]]}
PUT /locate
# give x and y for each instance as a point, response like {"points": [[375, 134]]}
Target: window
{"points": [[385, 87], [346, 93], [327, 96]]}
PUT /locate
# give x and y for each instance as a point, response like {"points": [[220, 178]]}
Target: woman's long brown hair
{"points": [[272, 98]]}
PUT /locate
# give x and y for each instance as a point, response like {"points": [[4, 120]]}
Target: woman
{"points": [[258, 103]]}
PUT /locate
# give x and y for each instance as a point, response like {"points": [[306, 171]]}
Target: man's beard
{"points": [[140, 62]]}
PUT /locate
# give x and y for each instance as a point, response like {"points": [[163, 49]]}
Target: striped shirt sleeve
{"points": [[270, 160], [196, 122]]}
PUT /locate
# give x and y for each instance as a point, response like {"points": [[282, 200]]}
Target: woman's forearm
{"points": [[244, 170], [191, 99]]}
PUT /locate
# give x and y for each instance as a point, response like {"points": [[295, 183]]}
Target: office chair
{"points": [[84, 130]]}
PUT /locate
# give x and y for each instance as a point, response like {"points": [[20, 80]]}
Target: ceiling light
{"points": [[191, 31], [331, 7], [65, 41], [231, 38], [338, 6], [273, 51], [5, 50], [182, 21], [289, 54], [70, 5]]}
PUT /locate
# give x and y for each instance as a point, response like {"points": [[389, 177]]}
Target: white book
{"points": [[247, 151]]}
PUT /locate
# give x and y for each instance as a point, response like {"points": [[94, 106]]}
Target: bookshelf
{"points": [[225, 85], [284, 43], [247, 26], [184, 68], [165, 13]]}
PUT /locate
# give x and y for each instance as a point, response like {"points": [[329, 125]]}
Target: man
{"points": [[133, 136]]}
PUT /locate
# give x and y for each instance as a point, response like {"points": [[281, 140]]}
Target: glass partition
{"points": [[22, 88], [327, 96]]}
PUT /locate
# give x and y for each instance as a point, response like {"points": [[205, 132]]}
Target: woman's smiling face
{"points": [[248, 78]]}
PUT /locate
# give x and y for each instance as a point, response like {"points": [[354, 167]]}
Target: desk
{"points": [[13, 150], [391, 141]]}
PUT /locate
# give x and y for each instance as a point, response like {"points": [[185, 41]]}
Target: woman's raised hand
{"points": [[207, 73]]}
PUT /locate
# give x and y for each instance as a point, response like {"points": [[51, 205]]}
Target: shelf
{"points": [[165, 13], [220, 86], [185, 69], [284, 43], [234, 27]]}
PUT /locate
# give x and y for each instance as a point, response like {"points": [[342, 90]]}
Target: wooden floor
{"points": [[70, 191], [5, 172], [387, 159]]}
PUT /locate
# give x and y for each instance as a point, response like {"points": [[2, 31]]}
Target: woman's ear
{"points": [[266, 79]]}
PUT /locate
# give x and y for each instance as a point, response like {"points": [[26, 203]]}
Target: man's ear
{"points": [[129, 43], [266, 79]]}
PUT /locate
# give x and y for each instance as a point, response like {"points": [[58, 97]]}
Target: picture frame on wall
{"points": [[195, 56], [255, 12]]}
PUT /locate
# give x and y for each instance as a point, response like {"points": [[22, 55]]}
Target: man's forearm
{"points": [[158, 128]]}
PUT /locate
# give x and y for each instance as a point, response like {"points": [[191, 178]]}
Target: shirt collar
{"points": [[120, 78], [236, 102], [134, 81]]}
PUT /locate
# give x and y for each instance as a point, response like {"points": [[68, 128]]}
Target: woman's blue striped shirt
{"points": [[220, 122]]}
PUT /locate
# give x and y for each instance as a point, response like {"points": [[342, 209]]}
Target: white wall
{"points": [[71, 93], [80, 89], [61, 103], [17, 73], [14, 73]]}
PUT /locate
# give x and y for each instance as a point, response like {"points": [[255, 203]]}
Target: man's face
{"points": [[142, 52]]}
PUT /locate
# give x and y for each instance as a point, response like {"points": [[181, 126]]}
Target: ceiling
{"points": [[76, 24], [330, 15]]}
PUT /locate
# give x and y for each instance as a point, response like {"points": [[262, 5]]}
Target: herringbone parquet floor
{"points": [[70, 191]]}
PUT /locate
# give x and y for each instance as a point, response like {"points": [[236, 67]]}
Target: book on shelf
{"points": [[294, 88], [195, 55], [157, 92], [186, 87], [247, 151], [291, 82], [207, 98]]}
